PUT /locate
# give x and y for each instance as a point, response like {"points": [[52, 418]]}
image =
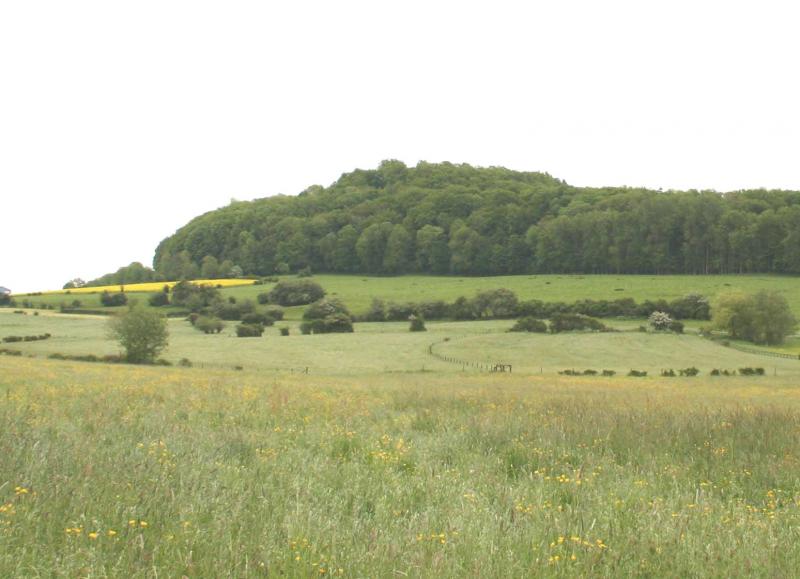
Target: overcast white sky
{"points": [[120, 121]]}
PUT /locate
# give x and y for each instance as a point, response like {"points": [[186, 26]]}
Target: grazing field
{"points": [[390, 347], [357, 291], [141, 472]]}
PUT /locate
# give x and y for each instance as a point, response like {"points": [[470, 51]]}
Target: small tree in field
{"points": [[660, 321], [141, 333], [417, 323]]}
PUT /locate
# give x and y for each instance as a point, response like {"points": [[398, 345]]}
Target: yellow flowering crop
{"points": [[153, 286]]}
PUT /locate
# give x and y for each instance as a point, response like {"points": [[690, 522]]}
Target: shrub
{"points": [[499, 303], [529, 324], [249, 330], [111, 300], [689, 371], [159, 299], [668, 373], [334, 323], [325, 307], [433, 310], [609, 373], [185, 362], [262, 298], [590, 372], [575, 322], [676, 326], [692, 306], [660, 321], [258, 318], [462, 309], [209, 325], [398, 312], [751, 371], [376, 312], [142, 333], [637, 373], [297, 292], [305, 272], [764, 317], [194, 297], [417, 324], [274, 312], [284, 331]]}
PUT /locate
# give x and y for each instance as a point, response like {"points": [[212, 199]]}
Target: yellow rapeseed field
{"points": [[151, 286]]}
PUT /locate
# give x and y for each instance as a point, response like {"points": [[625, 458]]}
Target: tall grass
{"points": [[145, 472]]}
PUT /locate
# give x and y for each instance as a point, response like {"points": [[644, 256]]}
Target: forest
{"points": [[457, 219]]}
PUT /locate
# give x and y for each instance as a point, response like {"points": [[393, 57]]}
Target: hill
{"points": [[464, 220]]}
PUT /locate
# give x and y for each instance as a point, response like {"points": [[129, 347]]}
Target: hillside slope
{"points": [[446, 218]]}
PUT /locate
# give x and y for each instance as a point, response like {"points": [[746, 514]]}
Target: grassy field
{"points": [[357, 291], [390, 347], [150, 472]]}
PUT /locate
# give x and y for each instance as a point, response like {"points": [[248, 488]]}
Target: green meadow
{"points": [[387, 453], [115, 470], [358, 291]]}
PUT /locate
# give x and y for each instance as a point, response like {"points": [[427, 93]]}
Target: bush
{"points": [[689, 371], [692, 306], [297, 292], [185, 362], [660, 321], [751, 371], [433, 310], [668, 373], [334, 323], [209, 325], [609, 373], [376, 312], [262, 298], [159, 299], [111, 300], [676, 327], [284, 331], [305, 272], [324, 308], [637, 373], [274, 312], [399, 312], [194, 297], [529, 324], [141, 333], [499, 303], [258, 318], [575, 322], [763, 318], [249, 330], [417, 324]]}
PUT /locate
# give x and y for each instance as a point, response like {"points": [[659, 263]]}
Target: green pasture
{"points": [[390, 347], [358, 291]]}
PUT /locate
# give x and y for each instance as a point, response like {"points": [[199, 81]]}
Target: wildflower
{"points": [[93, 535]]}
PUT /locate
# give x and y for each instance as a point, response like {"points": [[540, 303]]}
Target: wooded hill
{"points": [[446, 218]]}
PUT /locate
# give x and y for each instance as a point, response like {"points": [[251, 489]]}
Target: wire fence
{"points": [[759, 352], [478, 365]]}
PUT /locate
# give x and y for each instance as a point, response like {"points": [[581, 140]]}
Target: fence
{"points": [[758, 352], [478, 365]]}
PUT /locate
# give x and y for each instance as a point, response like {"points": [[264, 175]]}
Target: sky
{"points": [[121, 121]]}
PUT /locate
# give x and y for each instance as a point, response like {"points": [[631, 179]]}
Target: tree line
{"points": [[457, 219]]}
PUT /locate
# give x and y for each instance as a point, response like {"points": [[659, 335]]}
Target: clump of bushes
{"points": [[576, 322], [637, 373], [257, 318], [751, 371], [529, 324], [13, 339], [249, 330], [111, 300], [417, 324], [159, 299], [326, 316], [209, 325], [296, 292], [608, 373]]}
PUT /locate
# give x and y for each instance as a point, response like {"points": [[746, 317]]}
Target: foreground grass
{"points": [[144, 472]]}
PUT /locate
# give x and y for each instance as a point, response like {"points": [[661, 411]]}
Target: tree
{"points": [[763, 318], [297, 292], [142, 334], [660, 321], [398, 250]]}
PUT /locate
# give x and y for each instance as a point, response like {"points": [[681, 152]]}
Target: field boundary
{"points": [[476, 364]]}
